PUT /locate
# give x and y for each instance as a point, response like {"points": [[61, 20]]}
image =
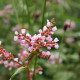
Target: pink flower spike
{"points": [[54, 28], [23, 31], [56, 40]]}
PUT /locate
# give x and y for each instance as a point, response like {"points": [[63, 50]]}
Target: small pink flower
{"points": [[54, 28], [44, 28], [32, 42], [56, 40], [30, 49], [47, 53], [40, 31], [48, 47], [48, 23], [56, 46]]}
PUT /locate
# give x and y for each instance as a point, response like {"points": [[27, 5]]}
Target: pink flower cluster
{"points": [[8, 59], [30, 46], [34, 43]]}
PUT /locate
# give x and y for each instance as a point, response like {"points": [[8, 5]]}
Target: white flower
{"points": [[23, 31], [15, 38], [54, 28], [39, 35], [47, 53], [40, 72], [0, 42], [44, 28], [56, 40], [28, 35], [48, 23], [23, 41], [16, 32], [34, 37], [56, 46], [16, 59]]}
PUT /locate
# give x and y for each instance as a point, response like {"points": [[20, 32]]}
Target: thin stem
{"points": [[19, 63], [30, 60], [28, 67], [28, 13], [17, 17], [28, 77], [23, 13], [35, 63], [44, 9]]}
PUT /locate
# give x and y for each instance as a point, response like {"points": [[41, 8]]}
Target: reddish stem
{"points": [[19, 63], [28, 77], [30, 60], [28, 66]]}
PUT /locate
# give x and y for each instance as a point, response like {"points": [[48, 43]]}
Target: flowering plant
{"points": [[30, 47]]}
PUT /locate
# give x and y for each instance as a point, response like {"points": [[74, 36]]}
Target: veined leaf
{"points": [[17, 72]]}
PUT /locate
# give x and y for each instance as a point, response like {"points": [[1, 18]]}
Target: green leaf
{"points": [[16, 72]]}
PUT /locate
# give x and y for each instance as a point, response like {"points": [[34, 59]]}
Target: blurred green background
{"points": [[17, 14]]}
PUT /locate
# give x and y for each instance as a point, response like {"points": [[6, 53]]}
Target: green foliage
{"points": [[26, 17]]}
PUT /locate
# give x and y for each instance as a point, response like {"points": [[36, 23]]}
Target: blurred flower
{"points": [[54, 58], [69, 25], [59, 1], [69, 40], [48, 3], [37, 15], [16, 28], [7, 9]]}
